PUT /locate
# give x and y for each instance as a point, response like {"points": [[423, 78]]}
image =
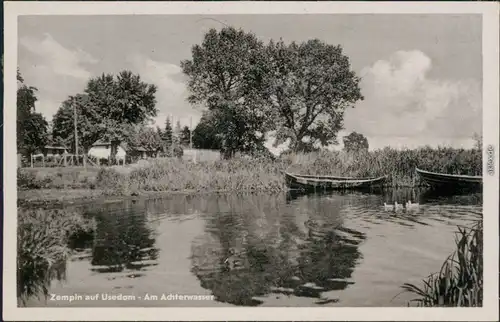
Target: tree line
{"points": [[296, 91]]}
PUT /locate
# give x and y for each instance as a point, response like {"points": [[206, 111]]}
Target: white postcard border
{"points": [[489, 311]]}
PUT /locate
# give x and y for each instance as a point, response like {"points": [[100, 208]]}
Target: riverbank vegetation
{"points": [[247, 174], [460, 280], [43, 242]]}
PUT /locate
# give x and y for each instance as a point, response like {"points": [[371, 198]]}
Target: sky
{"points": [[421, 75]]}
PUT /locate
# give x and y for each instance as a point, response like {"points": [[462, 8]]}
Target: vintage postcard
{"points": [[251, 161]]}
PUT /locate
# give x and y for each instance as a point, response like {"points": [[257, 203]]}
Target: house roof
{"points": [[124, 146], [55, 147]]}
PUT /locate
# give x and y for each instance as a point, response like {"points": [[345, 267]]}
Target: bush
{"points": [[42, 244], [110, 180], [27, 180]]}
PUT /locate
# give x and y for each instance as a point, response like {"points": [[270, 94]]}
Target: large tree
{"points": [[109, 109], [225, 74], [122, 103], [145, 137], [205, 134], [309, 85], [355, 142], [90, 127], [32, 127]]}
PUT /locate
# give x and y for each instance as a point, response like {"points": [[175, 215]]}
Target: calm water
{"points": [[262, 250]]}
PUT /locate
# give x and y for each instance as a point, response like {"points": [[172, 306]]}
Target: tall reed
{"points": [[42, 248], [460, 280], [257, 174]]}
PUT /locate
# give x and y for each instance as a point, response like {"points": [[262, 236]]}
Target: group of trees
{"points": [[299, 91], [32, 127], [250, 89], [111, 108]]}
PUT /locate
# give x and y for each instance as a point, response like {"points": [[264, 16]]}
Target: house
{"points": [[102, 150], [50, 150]]}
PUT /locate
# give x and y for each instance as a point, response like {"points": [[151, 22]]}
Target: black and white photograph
{"points": [[206, 157]]}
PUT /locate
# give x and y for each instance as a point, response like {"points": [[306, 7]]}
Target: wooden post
{"points": [[43, 160], [76, 129], [31, 155], [84, 156]]}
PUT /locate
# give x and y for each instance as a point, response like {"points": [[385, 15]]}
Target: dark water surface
{"points": [[262, 250]]}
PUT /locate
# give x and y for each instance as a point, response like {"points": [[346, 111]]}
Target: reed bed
{"points": [[42, 248], [255, 174], [398, 165], [460, 280]]}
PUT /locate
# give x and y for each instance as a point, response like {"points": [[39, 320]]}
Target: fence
{"points": [[200, 155]]}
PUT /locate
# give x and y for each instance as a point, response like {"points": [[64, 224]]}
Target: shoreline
{"points": [[75, 197]]}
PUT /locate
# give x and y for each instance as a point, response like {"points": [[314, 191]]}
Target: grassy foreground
{"points": [[460, 280], [242, 174], [43, 248]]}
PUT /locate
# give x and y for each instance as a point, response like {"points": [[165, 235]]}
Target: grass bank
{"points": [[460, 280], [43, 247], [261, 174]]}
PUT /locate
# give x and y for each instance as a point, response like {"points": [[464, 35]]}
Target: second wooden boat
{"points": [[319, 183], [450, 181]]}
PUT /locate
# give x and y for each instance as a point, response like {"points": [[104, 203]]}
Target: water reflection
{"points": [[248, 250], [123, 239], [259, 247]]}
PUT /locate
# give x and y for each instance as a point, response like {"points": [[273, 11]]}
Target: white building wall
{"points": [[101, 152]]}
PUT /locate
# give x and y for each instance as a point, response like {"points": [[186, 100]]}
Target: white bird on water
{"points": [[410, 205], [394, 207]]}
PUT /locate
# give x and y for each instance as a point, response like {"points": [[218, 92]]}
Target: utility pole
{"points": [[191, 133], [76, 131]]}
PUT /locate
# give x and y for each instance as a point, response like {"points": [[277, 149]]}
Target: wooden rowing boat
{"points": [[319, 183], [450, 181]]}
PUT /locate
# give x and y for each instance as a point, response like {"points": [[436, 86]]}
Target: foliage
{"points": [[205, 134], [167, 135], [300, 90], [89, 127], [226, 75], [42, 248], [27, 180], [355, 142], [109, 109], [398, 165], [31, 126], [185, 136], [460, 280], [309, 85], [264, 173], [111, 180], [227, 175], [145, 137]]}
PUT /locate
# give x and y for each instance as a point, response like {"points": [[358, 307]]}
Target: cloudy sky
{"points": [[421, 74]]}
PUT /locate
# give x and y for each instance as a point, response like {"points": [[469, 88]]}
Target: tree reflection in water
{"points": [[251, 252], [123, 239]]}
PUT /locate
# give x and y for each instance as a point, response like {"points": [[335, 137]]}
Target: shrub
{"points": [[460, 280], [42, 245]]}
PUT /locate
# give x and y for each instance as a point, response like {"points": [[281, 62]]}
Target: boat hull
{"points": [[450, 182], [324, 183]]}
